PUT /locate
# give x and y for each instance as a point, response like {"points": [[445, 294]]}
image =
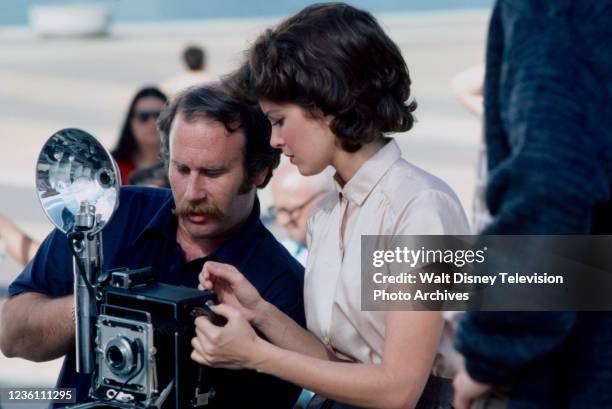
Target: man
{"points": [[194, 58], [293, 197], [548, 99], [218, 152]]}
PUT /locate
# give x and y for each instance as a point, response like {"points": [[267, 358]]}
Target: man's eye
{"points": [[214, 173], [183, 170]]}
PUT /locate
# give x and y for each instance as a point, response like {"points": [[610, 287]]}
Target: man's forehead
{"points": [[200, 121], [205, 144], [202, 130]]}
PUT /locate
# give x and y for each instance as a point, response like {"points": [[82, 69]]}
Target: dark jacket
{"points": [[548, 127]]}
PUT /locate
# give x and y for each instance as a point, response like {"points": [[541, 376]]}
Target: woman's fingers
{"points": [[226, 346], [226, 310], [213, 270]]}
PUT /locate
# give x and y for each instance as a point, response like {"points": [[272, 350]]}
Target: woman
{"points": [[333, 84], [139, 143]]}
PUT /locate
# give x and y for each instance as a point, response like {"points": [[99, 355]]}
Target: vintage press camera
{"points": [[143, 335], [132, 333]]}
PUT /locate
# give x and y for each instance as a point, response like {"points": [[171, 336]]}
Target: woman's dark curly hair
{"points": [[127, 146], [331, 59]]}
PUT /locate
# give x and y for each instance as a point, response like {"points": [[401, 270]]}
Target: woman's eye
{"points": [[279, 122]]}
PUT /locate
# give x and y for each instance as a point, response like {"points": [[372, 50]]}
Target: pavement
{"points": [[47, 85]]}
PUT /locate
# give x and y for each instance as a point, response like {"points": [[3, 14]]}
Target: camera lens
{"points": [[115, 357], [122, 355]]}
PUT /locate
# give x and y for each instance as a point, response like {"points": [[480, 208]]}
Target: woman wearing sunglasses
{"points": [[139, 142], [333, 85]]}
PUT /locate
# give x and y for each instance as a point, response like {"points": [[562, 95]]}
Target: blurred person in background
{"points": [[467, 87], [19, 245], [152, 176], [139, 142], [195, 62], [294, 196], [548, 115], [137, 155]]}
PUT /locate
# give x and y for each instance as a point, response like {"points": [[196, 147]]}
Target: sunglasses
{"points": [[144, 116]]}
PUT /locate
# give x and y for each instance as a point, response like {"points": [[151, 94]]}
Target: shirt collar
{"points": [[369, 174], [164, 224]]}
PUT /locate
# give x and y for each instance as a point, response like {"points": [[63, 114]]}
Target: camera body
{"points": [[143, 338]]}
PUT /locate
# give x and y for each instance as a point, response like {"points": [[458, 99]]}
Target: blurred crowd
{"points": [[326, 88]]}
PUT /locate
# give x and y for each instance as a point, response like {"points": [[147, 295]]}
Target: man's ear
{"points": [[261, 177]]}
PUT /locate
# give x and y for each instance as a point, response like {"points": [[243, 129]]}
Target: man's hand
{"points": [[467, 390], [232, 288], [233, 346]]}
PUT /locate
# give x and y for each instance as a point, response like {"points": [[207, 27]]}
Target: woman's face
{"points": [[145, 114], [306, 141]]}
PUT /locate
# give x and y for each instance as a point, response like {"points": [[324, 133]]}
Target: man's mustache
{"points": [[207, 209]]}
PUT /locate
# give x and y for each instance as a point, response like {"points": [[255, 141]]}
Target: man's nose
{"points": [[196, 188], [282, 221]]}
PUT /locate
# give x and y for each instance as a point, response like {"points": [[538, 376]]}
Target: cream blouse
{"points": [[387, 196]]}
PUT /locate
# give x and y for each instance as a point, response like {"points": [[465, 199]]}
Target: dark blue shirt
{"points": [[142, 233], [548, 115]]}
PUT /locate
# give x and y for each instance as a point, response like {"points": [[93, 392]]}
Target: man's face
{"points": [[293, 205], [206, 176]]}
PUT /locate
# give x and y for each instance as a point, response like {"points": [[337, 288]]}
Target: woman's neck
{"points": [[348, 163]]}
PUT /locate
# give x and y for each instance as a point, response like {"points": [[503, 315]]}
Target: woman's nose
{"points": [[276, 141]]}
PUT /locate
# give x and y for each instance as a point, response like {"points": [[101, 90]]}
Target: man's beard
{"points": [[207, 209]]}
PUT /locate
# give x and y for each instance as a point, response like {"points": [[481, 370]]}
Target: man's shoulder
{"points": [[143, 194], [271, 268], [138, 208], [141, 203], [279, 277], [276, 255]]}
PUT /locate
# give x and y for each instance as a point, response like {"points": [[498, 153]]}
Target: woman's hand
{"points": [[233, 346], [232, 288]]}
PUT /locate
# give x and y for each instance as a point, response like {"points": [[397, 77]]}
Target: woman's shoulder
{"points": [[413, 193], [406, 182]]}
